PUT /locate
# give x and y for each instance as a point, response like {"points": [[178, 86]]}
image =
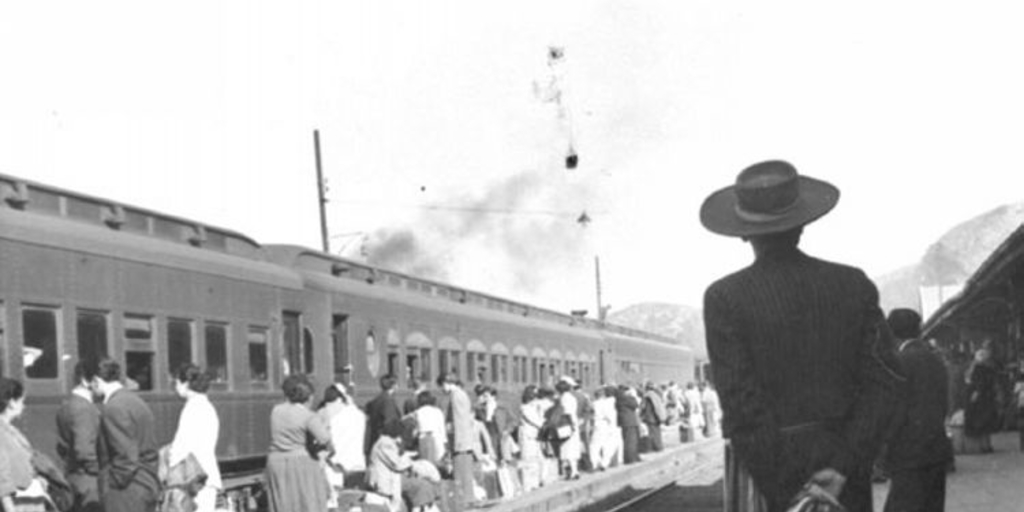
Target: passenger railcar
{"points": [[84, 277]]}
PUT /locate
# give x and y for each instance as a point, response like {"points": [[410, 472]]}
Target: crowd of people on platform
{"points": [[444, 448], [109, 458], [439, 448]]}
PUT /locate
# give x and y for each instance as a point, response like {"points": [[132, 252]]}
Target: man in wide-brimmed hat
{"points": [[800, 349]]}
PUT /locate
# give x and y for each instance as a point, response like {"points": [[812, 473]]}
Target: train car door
{"points": [[602, 367], [339, 340]]}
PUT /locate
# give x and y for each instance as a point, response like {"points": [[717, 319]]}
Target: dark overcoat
{"points": [[128, 454], [78, 429], [920, 436], [804, 366], [379, 412]]}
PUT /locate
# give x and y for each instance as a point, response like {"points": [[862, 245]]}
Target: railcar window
{"points": [[3, 338], [44, 201], [307, 350], [217, 351], [392, 362], [449, 362], [258, 367], [135, 221], [543, 375], [426, 372], [82, 209], [138, 327], [372, 353], [39, 347], [471, 366], [292, 351], [412, 365], [495, 371], [92, 335], [339, 341], [167, 229], [503, 369], [179, 343], [481, 372], [138, 369], [535, 370]]}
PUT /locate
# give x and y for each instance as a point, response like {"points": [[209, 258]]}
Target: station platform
{"points": [[701, 461], [982, 482]]}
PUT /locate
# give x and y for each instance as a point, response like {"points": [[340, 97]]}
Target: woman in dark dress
{"points": [[981, 416]]}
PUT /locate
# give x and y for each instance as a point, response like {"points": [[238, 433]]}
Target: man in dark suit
{"points": [[127, 446], [78, 428], [652, 414], [919, 451], [626, 405], [380, 411], [801, 352]]}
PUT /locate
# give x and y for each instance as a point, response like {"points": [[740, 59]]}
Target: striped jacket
{"points": [[802, 360]]}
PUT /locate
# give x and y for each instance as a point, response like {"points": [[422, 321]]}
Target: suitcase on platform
{"points": [[548, 471], [529, 475], [487, 482], [508, 482]]}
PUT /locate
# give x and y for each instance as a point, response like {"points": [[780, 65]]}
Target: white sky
{"points": [[206, 110]]}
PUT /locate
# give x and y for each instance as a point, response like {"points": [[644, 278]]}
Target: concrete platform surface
{"points": [[991, 482]]}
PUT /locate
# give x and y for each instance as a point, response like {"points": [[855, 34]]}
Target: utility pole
{"points": [[597, 275], [320, 189]]}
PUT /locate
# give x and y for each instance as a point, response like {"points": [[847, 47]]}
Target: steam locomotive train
{"points": [[83, 277]]}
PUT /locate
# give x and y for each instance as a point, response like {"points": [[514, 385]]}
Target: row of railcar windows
{"points": [[42, 334], [524, 370]]}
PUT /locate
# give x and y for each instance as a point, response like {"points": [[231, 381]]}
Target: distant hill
{"points": [[676, 321], [952, 258]]}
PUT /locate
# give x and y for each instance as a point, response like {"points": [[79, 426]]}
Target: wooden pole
{"points": [[324, 239]]}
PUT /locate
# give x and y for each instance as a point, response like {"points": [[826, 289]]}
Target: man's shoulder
{"points": [[126, 399], [75, 405], [740, 280]]}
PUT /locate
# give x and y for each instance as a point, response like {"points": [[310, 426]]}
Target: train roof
{"points": [[46, 200], [437, 295], [51, 217]]}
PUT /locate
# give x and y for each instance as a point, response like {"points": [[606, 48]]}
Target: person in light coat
{"points": [[345, 465], [695, 412], [431, 438], [712, 410], [571, 448], [606, 435], [460, 418], [198, 428], [387, 464]]}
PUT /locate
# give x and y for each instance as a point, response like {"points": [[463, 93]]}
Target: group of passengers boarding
{"points": [[109, 457], [442, 449]]}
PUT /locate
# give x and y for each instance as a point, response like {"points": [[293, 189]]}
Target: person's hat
{"points": [[568, 380], [768, 197]]}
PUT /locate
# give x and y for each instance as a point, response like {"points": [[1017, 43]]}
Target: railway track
{"points": [[696, 490]]}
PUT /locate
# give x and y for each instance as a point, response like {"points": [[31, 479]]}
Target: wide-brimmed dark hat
{"points": [[768, 197]]}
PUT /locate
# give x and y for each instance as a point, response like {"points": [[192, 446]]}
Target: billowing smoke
{"points": [[399, 250], [519, 239]]}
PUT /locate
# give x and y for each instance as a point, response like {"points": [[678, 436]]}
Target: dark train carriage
{"points": [[634, 357], [83, 278], [382, 322]]}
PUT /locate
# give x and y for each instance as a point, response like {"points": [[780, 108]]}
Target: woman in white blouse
{"points": [[198, 428]]}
